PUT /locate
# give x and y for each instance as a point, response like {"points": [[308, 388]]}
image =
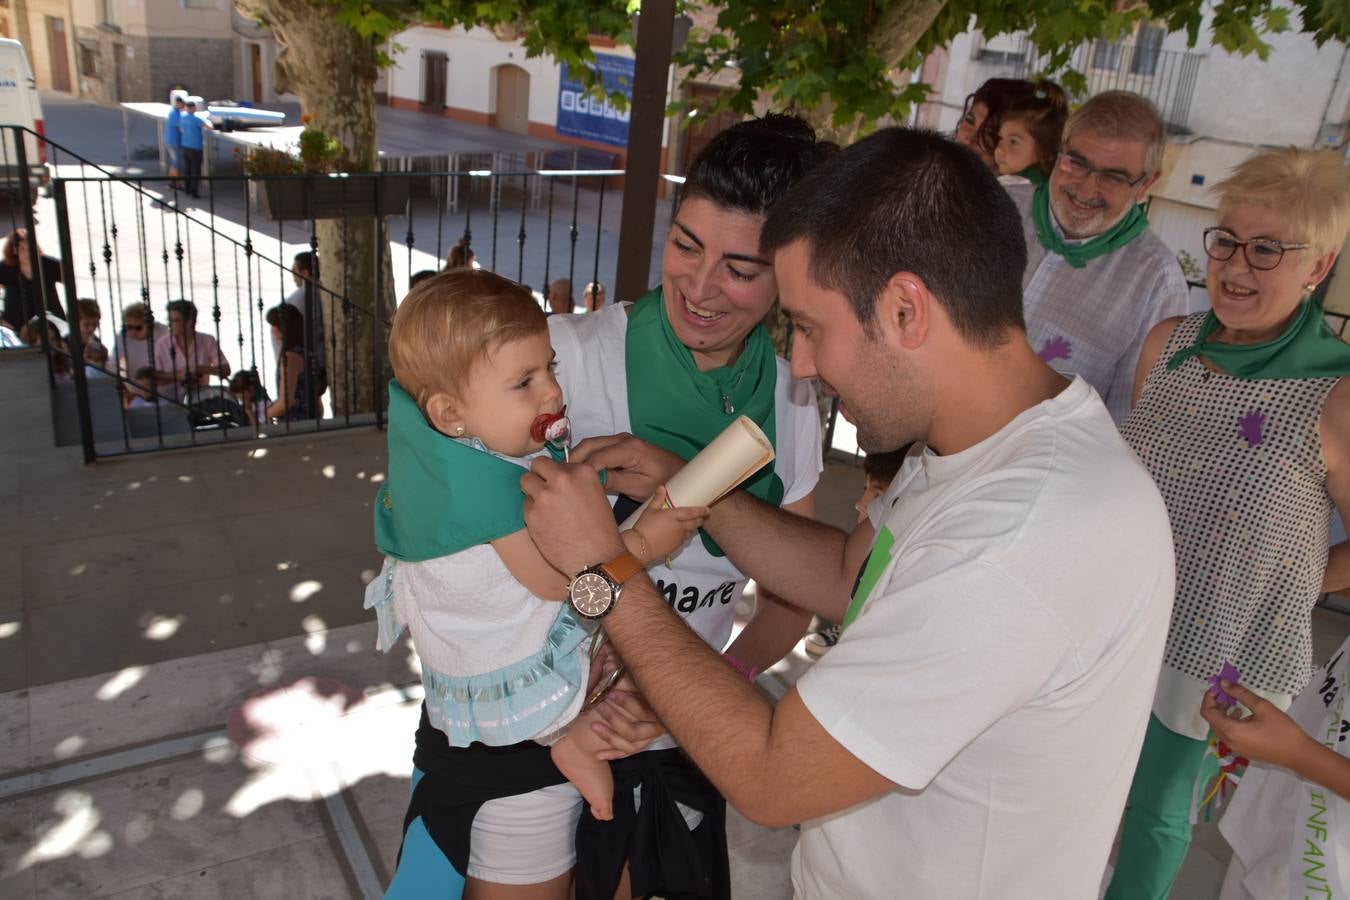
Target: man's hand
{"points": [[633, 466], [568, 517], [1267, 735]]}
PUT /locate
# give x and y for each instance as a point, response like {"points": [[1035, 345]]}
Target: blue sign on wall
{"points": [[581, 115]]}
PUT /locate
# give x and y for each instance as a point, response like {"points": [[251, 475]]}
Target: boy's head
{"points": [[472, 350], [302, 267], [879, 470], [90, 316]]}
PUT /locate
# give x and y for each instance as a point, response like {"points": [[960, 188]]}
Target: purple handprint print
{"points": [[1250, 427], [1057, 347]]}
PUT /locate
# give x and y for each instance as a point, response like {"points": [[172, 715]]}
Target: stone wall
{"points": [[103, 87], [204, 65]]}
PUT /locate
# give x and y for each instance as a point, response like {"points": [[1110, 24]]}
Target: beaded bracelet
{"points": [[741, 668]]}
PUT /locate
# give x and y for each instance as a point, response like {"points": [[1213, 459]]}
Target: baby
{"points": [[474, 399]]}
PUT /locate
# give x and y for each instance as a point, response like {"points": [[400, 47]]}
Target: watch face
{"points": [[591, 595]]}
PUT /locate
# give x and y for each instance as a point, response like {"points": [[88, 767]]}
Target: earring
{"points": [[459, 429]]}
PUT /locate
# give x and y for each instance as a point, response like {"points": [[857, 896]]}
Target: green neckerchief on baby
{"points": [[1077, 254], [1035, 174], [1306, 349], [441, 495], [675, 406]]}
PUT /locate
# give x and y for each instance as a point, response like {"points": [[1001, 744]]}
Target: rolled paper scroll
{"points": [[738, 452]]}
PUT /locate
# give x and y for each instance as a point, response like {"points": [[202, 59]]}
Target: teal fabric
{"points": [[423, 871], [673, 404], [1157, 831], [514, 703], [441, 496]]}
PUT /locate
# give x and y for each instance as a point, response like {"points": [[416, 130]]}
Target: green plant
{"points": [[1189, 267], [318, 154]]}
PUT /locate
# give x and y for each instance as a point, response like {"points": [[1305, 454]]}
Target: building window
{"points": [[89, 59], [1147, 50], [199, 4], [108, 10]]}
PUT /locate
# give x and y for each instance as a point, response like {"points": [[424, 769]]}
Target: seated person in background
{"points": [[90, 317], [419, 277], [134, 347], [252, 396], [297, 398], [9, 338], [879, 470], [593, 297], [96, 361], [560, 297], [31, 334], [186, 359]]}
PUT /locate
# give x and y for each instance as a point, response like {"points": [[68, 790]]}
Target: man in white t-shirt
{"points": [[1004, 608]]}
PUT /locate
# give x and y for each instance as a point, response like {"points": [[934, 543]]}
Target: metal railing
{"points": [[1167, 77], [122, 240]]}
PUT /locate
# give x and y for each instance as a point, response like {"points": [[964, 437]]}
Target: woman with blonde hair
{"points": [[1242, 417]]}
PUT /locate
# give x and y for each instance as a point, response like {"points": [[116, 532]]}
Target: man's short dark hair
{"points": [[906, 200], [304, 260], [185, 308]]}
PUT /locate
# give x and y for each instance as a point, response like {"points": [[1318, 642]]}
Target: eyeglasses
{"points": [[1261, 253], [1114, 179]]}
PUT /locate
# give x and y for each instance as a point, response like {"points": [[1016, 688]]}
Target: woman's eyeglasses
{"points": [[1260, 253]]}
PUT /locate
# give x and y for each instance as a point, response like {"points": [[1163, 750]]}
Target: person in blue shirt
{"points": [[173, 138], [193, 128]]}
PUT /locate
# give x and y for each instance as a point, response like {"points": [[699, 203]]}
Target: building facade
{"points": [[113, 51]]}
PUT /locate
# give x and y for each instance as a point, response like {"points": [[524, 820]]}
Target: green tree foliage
{"points": [[836, 60]]}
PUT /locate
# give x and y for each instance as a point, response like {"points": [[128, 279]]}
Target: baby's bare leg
{"points": [[575, 757]]}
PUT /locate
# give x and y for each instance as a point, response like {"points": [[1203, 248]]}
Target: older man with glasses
{"points": [[1097, 279]]}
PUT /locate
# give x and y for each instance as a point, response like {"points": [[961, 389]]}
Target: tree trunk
{"points": [[332, 70], [901, 25]]}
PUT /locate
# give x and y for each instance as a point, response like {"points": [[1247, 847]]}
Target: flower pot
{"points": [[328, 196]]}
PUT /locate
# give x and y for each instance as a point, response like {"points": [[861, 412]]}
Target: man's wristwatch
{"points": [[595, 589]]}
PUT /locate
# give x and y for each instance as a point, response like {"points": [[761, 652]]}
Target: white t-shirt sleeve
{"points": [[932, 663], [801, 439]]}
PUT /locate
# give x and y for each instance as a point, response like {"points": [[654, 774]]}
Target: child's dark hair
{"points": [[1043, 115], [997, 95], [883, 467]]}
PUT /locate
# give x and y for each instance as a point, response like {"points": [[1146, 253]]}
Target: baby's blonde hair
{"points": [[448, 323], [1310, 188]]}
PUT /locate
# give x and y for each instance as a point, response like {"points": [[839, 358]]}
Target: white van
{"points": [[19, 105]]}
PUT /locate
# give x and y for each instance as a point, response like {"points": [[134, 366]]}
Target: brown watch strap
{"points": [[622, 567]]}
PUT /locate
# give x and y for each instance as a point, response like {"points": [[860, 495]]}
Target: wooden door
{"points": [[59, 54], [513, 99], [434, 65], [703, 126], [120, 73], [255, 70]]}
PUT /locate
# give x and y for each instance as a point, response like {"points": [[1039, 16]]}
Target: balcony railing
{"points": [[1167, 77], [120, 240]]}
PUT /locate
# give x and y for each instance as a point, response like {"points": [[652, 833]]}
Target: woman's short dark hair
{"points": [[997, 95], [753, 163], [290, 322], [904, 200]]}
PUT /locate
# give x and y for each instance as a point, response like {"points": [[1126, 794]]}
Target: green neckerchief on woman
{"points": [[1077, 254], [1305, 349], [674, 405]]}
